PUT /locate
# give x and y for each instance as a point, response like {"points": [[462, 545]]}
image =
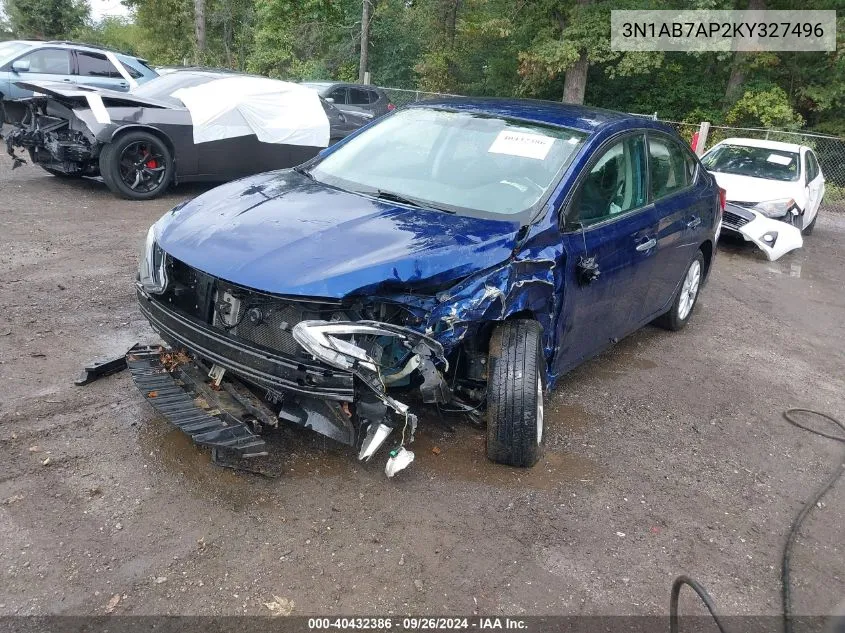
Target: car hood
{"points": [[75, 95], [749, 189], [283, 233]]}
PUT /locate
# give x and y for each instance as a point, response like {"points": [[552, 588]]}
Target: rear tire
{"points": [[136, 166], [515, 384], [686, 297]]}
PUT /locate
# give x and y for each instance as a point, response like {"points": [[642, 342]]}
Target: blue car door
{"points": [[42, 64], [608, 249], [96, 69], [684, 204]]}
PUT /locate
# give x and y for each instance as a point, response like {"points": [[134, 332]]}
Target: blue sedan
{"points": [[463, 253]]}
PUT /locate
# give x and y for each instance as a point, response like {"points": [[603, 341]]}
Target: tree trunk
{"points": [[365, 41], [199, 29], [737, 78], [575, 81], [451, 20]]}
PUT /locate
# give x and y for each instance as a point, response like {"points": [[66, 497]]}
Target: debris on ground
{"points": [[280, 606], [112, 603]]}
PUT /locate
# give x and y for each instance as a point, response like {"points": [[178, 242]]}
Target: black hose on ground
{"points": [[789, 416], [786, 589]]}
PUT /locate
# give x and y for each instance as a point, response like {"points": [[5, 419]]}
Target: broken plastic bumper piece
{"points": [[774, 237], [174, 386]]}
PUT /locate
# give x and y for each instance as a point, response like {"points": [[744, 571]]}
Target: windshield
{"points": [[756, 162], [163, 86], [455, 161], [7, 49]]}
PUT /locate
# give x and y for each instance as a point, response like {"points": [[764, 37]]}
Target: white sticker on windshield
{"points": [[522, 144], [779, 159]]}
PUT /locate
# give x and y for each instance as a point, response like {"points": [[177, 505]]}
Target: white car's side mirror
{"points": [[20, 66]]}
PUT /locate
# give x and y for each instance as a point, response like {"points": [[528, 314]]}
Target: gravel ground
{"points": [[666, 455]]}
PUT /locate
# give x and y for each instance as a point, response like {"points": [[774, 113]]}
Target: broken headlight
{"points": [[777, 208], [151, 270]]}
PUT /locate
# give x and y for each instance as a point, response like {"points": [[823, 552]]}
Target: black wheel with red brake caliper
{"points": [[136, 165]]}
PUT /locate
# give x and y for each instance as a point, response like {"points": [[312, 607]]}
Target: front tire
{"points": [[685, 298], [515, 384], [808, 230], [136, 166]]}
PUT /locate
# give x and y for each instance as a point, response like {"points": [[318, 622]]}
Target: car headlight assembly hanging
{"points": [[777, 208]]}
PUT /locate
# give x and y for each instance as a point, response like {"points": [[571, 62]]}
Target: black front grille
{"points": [[253, 316], [733, 221], [267, 320]]}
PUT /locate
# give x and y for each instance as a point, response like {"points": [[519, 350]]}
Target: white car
{"points": [[772, 183]]}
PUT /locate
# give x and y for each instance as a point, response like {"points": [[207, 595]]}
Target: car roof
{"points": [[585, 118], [764, 143], [92, 48]]}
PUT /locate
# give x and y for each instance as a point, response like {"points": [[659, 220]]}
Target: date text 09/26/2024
{"points": [[418, 623]]}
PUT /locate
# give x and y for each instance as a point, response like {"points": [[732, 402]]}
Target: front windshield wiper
{"points": [[301, 170], [396, 197]]}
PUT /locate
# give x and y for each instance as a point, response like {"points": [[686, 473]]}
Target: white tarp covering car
{"points": [[275, 111], [773, 191]]}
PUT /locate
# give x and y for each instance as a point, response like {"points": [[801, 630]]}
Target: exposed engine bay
{"points": [[53, 136]]}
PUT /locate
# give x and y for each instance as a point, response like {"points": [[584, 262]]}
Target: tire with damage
{"points": [[136, 165], [515, 386]]}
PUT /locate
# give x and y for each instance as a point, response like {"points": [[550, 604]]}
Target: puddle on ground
{"points": [[617, 362], [298, 453], [567, 418], [462, 456]]}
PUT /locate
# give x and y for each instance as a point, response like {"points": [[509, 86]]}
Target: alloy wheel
{"points": [[142, 167], [689, 290]]}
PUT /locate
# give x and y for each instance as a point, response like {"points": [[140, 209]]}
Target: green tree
{"points": [[46, 19]]}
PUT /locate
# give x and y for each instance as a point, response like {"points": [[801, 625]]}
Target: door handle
{"points": [[645, 246], [692, 224]]}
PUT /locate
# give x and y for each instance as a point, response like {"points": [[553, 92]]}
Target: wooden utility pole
{"points": [[199, 29], [365, 41]]}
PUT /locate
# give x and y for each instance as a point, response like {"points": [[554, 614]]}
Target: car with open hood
{"points": [[773, 191], [460, 254], [186, 126]]}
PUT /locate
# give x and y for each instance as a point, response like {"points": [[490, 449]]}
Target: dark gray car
{"points": [[353, 97], [141, 142]]}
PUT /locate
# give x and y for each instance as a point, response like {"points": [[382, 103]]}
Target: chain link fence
{"points": [[401, 96], [830, 150]]}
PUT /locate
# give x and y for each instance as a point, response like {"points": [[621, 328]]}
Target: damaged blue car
{"points": [[461, 253]]}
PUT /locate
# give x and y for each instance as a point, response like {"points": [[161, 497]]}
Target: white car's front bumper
{"points": [[774, 237]]}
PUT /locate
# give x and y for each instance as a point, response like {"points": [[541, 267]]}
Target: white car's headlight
{"points": [[777, 208], [151, 270]]}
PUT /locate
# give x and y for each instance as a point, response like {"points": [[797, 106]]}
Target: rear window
{"points": [[95, 65], [163, 86], [756, 162]]}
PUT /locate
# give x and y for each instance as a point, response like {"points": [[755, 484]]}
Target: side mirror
{"points": [[330, 99], [20, 66]]}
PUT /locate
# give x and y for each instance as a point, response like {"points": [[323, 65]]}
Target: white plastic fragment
{"points": [[399, 460]]}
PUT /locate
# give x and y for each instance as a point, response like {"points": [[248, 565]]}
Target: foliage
{"points": [[476, 47], [764, 108], [46, 19]]}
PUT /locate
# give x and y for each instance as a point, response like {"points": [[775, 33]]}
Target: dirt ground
{"points": [[666, 455]]}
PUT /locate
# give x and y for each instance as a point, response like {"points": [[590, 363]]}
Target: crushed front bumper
{"points": [[774, 237], [333, 386]]}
